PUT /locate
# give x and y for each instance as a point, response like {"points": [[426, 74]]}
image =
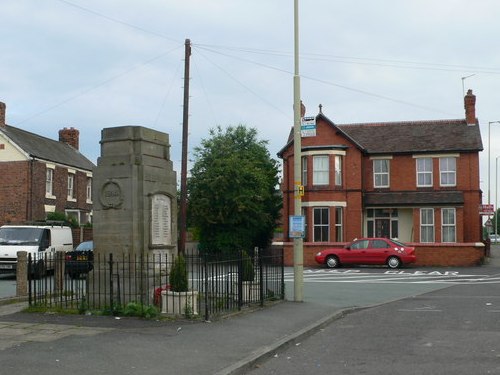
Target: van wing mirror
{"points": [[45, 244]]}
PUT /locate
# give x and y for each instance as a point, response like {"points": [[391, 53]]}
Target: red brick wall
{"points": [[19, 204], [14, 191], [358, 177], [442, 255]]}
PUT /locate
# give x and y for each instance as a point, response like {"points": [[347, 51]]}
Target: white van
{"points": [[41, 241]]}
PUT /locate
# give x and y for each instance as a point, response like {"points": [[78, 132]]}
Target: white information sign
{"points": [[297, 226], [308, 127]]}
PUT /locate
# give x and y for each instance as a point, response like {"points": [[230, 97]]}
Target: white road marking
{"points": [[393, 276]]}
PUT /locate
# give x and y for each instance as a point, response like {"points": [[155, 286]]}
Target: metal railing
{"points": [[117, 282]]}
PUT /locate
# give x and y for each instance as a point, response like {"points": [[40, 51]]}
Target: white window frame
{"points": [[447, 172], [338, 224], [338, 170], [424, 172], [381, 175], [321, 224], [89, 190], [49, 182], [321, 170], [304, 170], [71, 187], [427, 213], [448, 226]]}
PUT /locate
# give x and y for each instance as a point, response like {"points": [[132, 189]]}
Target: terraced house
{"points": [[40, 175], [417, 181]]}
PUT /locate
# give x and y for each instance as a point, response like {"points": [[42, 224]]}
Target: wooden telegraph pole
{"points": [[185, 118]]}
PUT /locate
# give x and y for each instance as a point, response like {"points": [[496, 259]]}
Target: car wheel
{"points": [[393, 262], [332, 261]]}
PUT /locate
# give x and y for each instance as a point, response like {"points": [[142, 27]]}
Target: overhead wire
{"points": [[242, 84], [167, 94], [323, 81], [115, 20], [217, 49], [96, 86], [356, 60]]}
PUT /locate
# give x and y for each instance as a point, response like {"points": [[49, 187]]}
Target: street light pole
{"points": [[489, 154], [298, 246], [496, 199]]}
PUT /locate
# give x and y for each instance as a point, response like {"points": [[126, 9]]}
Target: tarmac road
{"points": [[455, 330]]}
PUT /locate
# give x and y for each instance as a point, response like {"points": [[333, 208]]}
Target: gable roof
{"points": [[46, 149], [408, 136], [415, 136]]}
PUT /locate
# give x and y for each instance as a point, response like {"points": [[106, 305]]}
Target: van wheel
{"points": [[40, 270]]}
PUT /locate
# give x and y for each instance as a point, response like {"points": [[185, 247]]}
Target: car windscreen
{"points": [[85, 246], [20, 236]]}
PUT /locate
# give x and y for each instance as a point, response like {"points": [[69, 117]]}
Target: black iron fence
{"points": [[116, 283]]}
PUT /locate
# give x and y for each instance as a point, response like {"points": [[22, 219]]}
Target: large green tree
{"points": [[233, 196]]}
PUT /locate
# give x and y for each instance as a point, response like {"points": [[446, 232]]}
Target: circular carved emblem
{"points": [[111, 195]]}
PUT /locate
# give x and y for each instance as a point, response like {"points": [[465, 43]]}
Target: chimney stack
{"points": [[3, 108], [470, 108], [70, 136]]}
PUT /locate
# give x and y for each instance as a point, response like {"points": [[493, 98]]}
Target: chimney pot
{"points": [[470, 108], [3, 108]]}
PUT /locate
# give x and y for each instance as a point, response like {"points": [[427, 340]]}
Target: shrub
{"points": [[178, 275]]}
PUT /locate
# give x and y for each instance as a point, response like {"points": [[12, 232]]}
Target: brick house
{"points": [[417, 181], [41, 175]]}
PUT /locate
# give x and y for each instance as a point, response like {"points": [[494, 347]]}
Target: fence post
{"points": [[240, 279], [59, 271], [111, 301], [282, 266], [22, 274], [205, 269], [261, 277]]}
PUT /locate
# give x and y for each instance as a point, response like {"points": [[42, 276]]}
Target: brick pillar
{"points": [[59, 271], [2, 113], [22, 274], [470, 108]]}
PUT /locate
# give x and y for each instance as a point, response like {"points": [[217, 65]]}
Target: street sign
{"points": [[297, 226], [488, 223], [308, 127], [486, 209]]}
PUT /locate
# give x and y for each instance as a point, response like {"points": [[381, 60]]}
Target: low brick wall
{"points": [[436, 254], [456, 255]]}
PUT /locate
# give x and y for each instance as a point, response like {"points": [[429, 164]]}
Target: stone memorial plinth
{"points": [[135, 210]]}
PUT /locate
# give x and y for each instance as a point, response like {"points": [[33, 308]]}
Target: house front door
{"points": [[383, 228]]}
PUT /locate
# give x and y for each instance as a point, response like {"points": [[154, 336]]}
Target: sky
{"points": [[98, 64]]}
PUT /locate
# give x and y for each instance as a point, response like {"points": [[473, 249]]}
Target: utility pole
{"points": [[298, 245], [185, 118]]}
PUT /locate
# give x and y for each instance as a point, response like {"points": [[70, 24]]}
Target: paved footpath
{"points": [[61, 344]]}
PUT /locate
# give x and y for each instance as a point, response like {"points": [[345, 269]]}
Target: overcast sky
{"points": [[95, 64]]}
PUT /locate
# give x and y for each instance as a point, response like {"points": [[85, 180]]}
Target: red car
{"points": [[368, 251]]}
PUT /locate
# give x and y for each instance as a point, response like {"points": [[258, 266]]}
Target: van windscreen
{"points": [[20, 236]]}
